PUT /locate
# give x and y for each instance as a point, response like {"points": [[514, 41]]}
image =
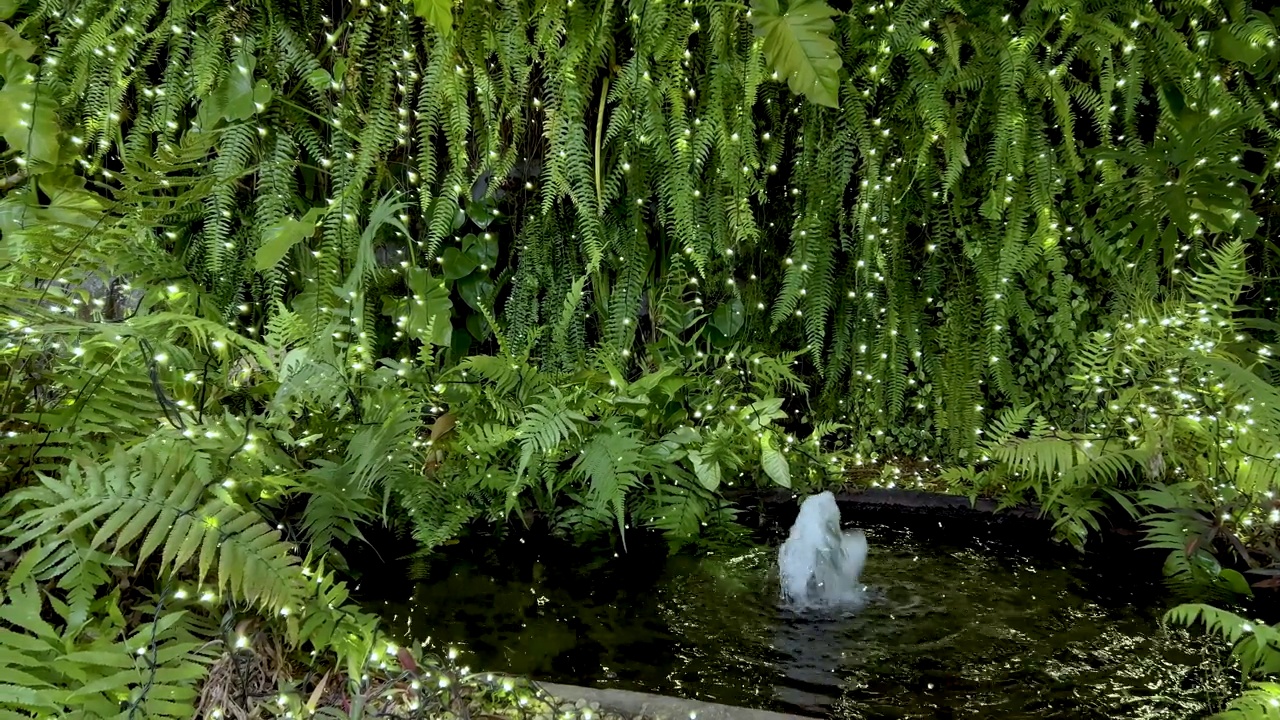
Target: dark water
{"points": [[973, 627]]}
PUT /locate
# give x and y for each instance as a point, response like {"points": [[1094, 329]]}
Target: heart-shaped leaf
{"points": [[239, 97], [477, 291], [728, 318], [482, 212], [319, 79], [457, 264], [482, 248]]}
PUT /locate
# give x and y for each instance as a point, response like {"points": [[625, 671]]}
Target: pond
{"points": [[959, 622]]}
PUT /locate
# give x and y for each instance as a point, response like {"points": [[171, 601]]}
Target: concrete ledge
{"points": [[658, 707], [904, 499]]}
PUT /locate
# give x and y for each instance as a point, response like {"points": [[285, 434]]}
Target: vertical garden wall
{"points": [[273, 270]]}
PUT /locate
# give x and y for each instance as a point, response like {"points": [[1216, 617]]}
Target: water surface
{"points": [[953, 626]]}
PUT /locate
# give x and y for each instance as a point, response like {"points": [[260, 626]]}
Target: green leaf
{"points": [[319, 79], [28, 112], [477, 326], [762, 412], [436, 13], [11, 40], [457, 264], [8, 8], [798, 45], [1235, 581], [482, 212], [728, 318], [1174, 98], [279, 238], [429, 308], [707, 470], [239, 97], [481, 248], [477, 290], [1232, 48], [774, 462]]}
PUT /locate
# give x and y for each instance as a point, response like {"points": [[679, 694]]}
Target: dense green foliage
{"points": [[272, 271]]}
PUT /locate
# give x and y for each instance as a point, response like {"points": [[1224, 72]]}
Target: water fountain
{"points": [[819, 564]]}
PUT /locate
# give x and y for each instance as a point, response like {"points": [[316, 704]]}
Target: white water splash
{"points": [[818, 564]]}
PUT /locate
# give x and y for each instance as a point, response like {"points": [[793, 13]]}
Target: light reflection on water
{"points": [[973, 630]]}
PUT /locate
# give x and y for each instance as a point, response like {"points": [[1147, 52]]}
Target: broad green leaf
{"points": [[707, 470], [483, 248], [728, 318], [477, 290], [9, 7], [457, 264], [429, 308], [262, 95], [239, 97], [477, 326], [69, 203], [29, 122], [11, 40], [436, 13], [798, 45], [1174, 98], [482, 213], [279, 238], [762, 412], [774, 462], [319, 79], [1232, 48], [1235, 581]]}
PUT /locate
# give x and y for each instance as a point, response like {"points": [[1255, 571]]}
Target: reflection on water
{"points": [[961, 630]]}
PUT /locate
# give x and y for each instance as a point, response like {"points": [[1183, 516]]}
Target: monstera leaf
{"points": [[798, 44], [429, 308]]}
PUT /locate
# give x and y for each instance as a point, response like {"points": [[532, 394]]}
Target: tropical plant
{"points": [[596, 448], [1184, 433], [1254, 645]]}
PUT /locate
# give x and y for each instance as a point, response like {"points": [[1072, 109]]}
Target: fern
{"points": [[1255, 646], [159, 504]]}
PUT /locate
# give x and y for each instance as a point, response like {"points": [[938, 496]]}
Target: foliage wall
{"points": [[970, 191]]}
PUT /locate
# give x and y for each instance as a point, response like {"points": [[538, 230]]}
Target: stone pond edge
{"points": [[632, 704]]}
